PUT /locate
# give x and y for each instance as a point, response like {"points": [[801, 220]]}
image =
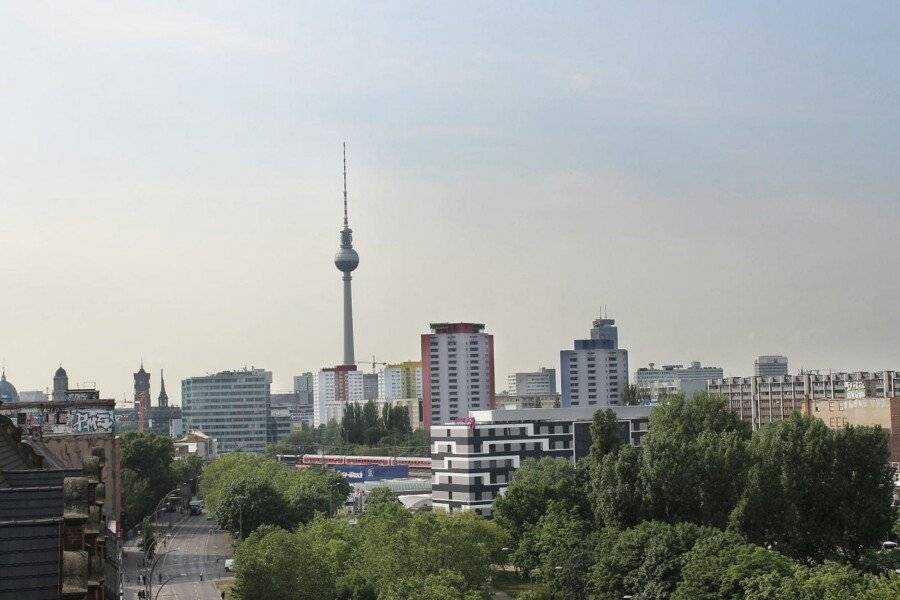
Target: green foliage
{"points": [[148, 539], [725, 566], [238, 482], [389, 436], [561, 548], [694, 460], [249, 503], [814, 493], [615, 489], [147, 473], [605, 435], [447, 585], [187, 468], [532, 488], [390, 553], [277, 565], [645, 561]]}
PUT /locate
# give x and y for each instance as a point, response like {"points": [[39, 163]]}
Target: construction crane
{"points": [[372, 362]]}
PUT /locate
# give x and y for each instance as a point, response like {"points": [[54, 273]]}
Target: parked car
{"points": [[229, 565]]}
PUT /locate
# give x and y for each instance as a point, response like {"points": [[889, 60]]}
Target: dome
{"points": [[346, 260], [8, 391], [60, 372]]}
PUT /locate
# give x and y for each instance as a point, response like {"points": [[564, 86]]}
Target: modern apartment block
{"points": [[370, 386], [760, 400], [333, 388], [471, 463], [401, 380], [303, 385], [230, 406], [457, 371], [279, 424], [536, 383], [771, 365], [656, 381], [595, 373]]}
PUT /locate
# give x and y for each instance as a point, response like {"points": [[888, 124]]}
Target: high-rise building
{"points": [[142, 397], [230, 406], [333, 388], [457, 371], [370, 386], [346, 261], [303, 385], [653, 382], [401, 380], [770, 365], [596, 371], [760, 400], [535, 383]]}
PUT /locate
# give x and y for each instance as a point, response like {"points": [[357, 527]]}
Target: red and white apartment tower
{"points": [[457, 371]]}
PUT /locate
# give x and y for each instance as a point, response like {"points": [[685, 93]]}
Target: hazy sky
{"points": [[725, 177]]}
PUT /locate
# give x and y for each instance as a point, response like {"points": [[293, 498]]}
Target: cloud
{"points": [[92, 22]]}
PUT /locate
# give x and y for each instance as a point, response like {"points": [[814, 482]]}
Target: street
{"points": [[187, 563]]}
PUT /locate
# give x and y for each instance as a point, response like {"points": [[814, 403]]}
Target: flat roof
{"points": [[574, 413]]}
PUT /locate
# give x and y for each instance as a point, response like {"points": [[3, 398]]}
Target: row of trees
{"points": [[364, 429], [246, 491], [150, 471], [365, 424], [390, 554], [788, 506]]}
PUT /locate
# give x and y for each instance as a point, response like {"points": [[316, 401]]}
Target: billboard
{"points": [[356, 473]]}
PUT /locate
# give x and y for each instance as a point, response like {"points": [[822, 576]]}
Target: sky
{"points": [[721, 176]]}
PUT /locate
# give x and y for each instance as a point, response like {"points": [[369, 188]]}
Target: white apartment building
{"points": [[231, 406], [656, 381], [761, 400], [400, 381], [770, 365], [595, 373], [535, 383], [457, 371], [333, 388]]}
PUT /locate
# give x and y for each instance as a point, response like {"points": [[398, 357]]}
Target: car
{"points": [[229, 565], [889, 545]]}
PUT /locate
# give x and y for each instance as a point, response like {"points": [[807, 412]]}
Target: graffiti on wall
{"points": [[91, 420]]}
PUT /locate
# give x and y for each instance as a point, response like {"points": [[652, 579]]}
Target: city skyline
{"points": [[723, 204]]}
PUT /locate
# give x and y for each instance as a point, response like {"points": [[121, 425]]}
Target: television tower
{"points": [[346, 260]]}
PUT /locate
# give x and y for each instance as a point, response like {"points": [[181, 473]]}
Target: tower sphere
{"points": [[346, 260]]}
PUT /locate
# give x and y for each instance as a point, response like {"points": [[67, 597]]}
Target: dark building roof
{"points": [[24, 503], [30, 559]]}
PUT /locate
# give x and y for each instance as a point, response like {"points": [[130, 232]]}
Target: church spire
{"points": [[163, 397]]}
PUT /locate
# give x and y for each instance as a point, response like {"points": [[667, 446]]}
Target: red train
{"points": [[413, 462]]}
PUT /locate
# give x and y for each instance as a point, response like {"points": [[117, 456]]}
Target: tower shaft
{"points": [[348, 321]]}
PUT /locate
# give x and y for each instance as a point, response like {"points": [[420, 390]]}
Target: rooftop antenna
{"points": [[345, 186]]}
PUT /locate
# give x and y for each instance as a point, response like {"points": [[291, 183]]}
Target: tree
{"points": [[278, 565], [725, 566], [146, 462], [532, 488], [694, 460], [561, 548], [148, 538], [186, 469], [813, 493], [606, 435], [447, 585], [645, 561], [615, 490], [250, 502]]}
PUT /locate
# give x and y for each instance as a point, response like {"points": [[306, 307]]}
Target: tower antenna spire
{"points": [[345, 186]]}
